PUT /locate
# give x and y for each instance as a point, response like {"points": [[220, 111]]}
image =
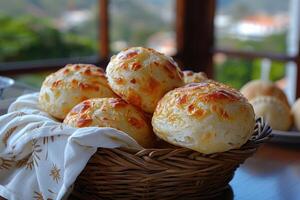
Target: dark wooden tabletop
{"points": [[273, 173]]}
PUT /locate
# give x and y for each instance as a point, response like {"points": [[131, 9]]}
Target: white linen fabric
{"points": [[40, 158]]}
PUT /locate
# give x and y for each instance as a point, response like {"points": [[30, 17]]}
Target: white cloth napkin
{"points": [[40, 158]]}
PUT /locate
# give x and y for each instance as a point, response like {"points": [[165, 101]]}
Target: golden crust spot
{"points": [[128, 55], [74, 82], [133, 81], [220, 94], [120, 81], [134, 98], [66, 71], [124, 66], [81, 108], [135, 122], [196, 111], [194, 86], [136, 66], [153, 84], [172, 118], [117, 103], [55, 84], [77, 67], [84, 98], [182, 100], [191, 108], [153, 51], [87, 72], [220, 111], [85, 86], [84, 121]]}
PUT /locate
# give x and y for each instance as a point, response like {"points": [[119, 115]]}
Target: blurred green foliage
{"points": [[28, 38], [237, 72]]}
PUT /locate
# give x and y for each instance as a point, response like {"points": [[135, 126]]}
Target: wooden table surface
{"points": [[273, 173]]}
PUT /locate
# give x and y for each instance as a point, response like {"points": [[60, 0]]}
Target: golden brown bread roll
{"points": [[67, 87], [114, 113], [193, 77], [141, 76], [296, 113], [207, 117], [274, 111], [257, 88]]}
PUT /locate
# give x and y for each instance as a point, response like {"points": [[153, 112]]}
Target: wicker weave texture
{"points": [[163, 173]]}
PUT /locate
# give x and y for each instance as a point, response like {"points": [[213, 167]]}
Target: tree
{"points": [[29, 38]]}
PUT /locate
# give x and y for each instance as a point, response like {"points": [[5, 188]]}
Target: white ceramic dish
{"points": [[5, 82]]}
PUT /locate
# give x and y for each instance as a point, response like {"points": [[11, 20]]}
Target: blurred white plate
{"points": [[4, 104], [11, 94], [292, 136]]}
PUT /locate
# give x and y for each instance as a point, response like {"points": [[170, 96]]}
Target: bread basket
{"points": [[163, 173]]}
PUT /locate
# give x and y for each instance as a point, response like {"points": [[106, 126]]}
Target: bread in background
{"points": [[141, 76], [207, 117], [296, 114], [67, 87], [274, 111], [257, 88], [114, 113], [193, 77]]}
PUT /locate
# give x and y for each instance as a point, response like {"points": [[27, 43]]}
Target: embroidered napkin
{"points": [[40, 158]]}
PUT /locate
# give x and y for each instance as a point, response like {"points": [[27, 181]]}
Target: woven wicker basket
{"points": [[163, 173]]}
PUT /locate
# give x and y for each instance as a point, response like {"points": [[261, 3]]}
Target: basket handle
{"points": [[262, 131]]}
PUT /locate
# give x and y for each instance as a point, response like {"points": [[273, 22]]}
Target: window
{"points": [[205, 36], [238, 71], [42, 30], [257, 25], [252, 42], [148, 23], [52, 33]]}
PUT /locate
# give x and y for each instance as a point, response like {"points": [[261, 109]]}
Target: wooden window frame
{"points": [[101, 59], [203, 60], [194, 39]]}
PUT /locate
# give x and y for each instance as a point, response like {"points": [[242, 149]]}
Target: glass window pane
{"points": [[148, 23], [256, 25], [237, 72], [48, 29], [32, 79]]}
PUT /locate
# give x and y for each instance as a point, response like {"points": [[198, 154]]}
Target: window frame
{"points": [[101, 57], [194, 27], [282, 57]]}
